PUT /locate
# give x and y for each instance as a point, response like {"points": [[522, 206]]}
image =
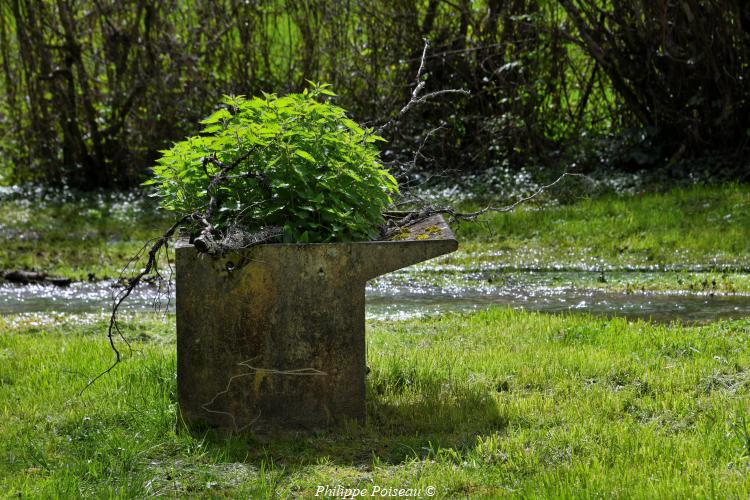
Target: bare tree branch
{"points": [[508, 208], [416, 97], [151, 265], [394, 225]]}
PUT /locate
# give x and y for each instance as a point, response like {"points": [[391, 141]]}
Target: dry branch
{"points": [[416, 95], [151, 266], [393, 226]]}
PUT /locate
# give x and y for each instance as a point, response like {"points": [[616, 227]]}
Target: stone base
{"points": [[273, 336]]}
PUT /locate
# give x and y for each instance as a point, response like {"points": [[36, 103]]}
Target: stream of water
{"points": [[415, 293]]}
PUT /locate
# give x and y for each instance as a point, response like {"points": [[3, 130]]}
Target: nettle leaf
{"points": [[351, 125], [353, 175], [304, 154], [325, 178], [217, 116]]}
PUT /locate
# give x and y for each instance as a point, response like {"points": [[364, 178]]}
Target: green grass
{"points": [[489, 404], [702, 225], [706, 226], [703, 282], [76, 237], [708, 282]]}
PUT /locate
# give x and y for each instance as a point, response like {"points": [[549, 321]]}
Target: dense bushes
{"points": [[91, 90], [680, 67]]}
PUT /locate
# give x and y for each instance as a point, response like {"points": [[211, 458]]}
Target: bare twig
{"points": [[418, 153], [151, 265], [454, 215], [418, 81], [205, 241], [393, 226], [416, 98]]}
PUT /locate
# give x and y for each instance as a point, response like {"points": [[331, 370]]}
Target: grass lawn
{"points": [[488, 404], [75, 237], [707, 226]]}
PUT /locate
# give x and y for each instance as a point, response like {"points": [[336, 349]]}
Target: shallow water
{"points": [[417, 292], [651, 306], [80, 297]]}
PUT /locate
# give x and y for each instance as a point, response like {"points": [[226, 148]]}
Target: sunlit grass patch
{"points": [[698, 225], [706, 226], [77, 236], [491, 403]]}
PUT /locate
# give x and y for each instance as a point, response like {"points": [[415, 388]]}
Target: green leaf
{"points": [[217, 116], [304, 154], [353, 175], [327, 183]]}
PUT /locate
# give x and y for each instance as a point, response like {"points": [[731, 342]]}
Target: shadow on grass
{"points": [[405, 422]]}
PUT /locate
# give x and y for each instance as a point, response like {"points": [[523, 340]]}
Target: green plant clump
{"points": [[301, 164]]}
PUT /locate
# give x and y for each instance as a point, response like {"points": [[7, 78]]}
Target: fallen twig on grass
{"points": [[29, 277]]}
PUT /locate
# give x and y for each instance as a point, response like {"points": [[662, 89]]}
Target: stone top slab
{"points": [[433, 228]]}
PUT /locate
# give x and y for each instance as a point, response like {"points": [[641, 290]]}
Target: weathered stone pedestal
{"points": [[273, 337]]}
